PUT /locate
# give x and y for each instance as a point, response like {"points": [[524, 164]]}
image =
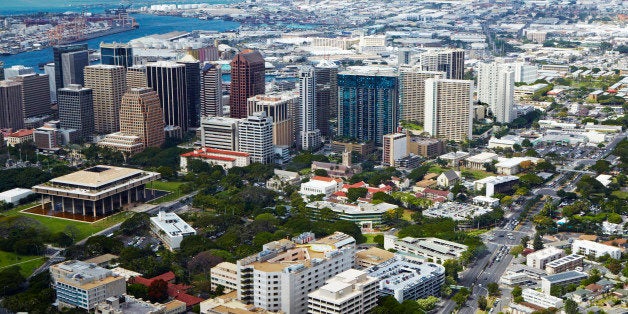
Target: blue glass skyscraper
{"points": [[116, 54], [368, 104]]}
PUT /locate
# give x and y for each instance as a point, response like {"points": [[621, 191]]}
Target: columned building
{"points": [[97, 191]]}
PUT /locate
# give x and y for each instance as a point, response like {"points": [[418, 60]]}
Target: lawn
{"points": [[83, 229], [370, 237], [172, 187], [27, 264], [475, 174], [621, 194]]}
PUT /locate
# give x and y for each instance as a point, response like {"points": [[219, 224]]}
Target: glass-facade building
{"points": [[368, 105], [116, 54]]}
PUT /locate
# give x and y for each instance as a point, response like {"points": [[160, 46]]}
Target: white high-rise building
{"points": [[526, 73], [309, 137], [350, 292], [496, 87], [448, 109], [255, 135], [412, 93], [220, 133]]}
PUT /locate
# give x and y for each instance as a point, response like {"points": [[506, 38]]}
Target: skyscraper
{"points": [[58, 52], [192, 89], [35, 94], [49, 69], [116, 54], [141, 115], [76, 110], [412, 90], [308, 133], [108, 83], [16, 70], [211, 90], [255, 136], [168, 80], [450, 61], [11, 106], [496, 87], [367, 100], [247, 80], [277, 106], [1, 70], [136, 77], [326, 96], [448, 109]]}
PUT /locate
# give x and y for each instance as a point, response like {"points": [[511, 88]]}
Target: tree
{"points": [[11, 280], [526, 143], [537, 243], [571, 307], [452, 267], [136, 224], [517, 291], [354, 193], [493, 289], [203, 262], [516, 250], [428, 303], [601, 166], [137, 290], [482, 303], [158, 291], [321, 172], [379, 239]]}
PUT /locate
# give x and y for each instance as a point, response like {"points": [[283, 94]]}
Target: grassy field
{"points": [[83, 229], [172, 187], [27, 264], [370, 237], [621, 194], [476, 174]]}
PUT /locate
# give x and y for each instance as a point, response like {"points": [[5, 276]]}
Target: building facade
{"points": [[225, 158], [171, 229], [448, 109], [108, 84], [247, 80], [141, 115], [168, 80], [220, 133], [350, 292], [597, 250], [450, 61], [211, 90], [278, 107], [394, 147], [309, 136], [76, 110], [255, 136], [496, 87], [192, 89], [569, 262], [60, 66], [542, 257], [326, 97], [367, 105], [11, 106], [35, 94], [438, 250], [116, 54], [136, 77], [412, 93]]}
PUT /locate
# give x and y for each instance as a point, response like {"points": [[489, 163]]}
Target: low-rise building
{"points": [[541, 299], [126, 143], [171, 229], [229, 304], [372, 256], [561, 279], [14, 196], [448, 178], [597, 250], [82, 285], [408, 278], [281, 179], [126, 304], [224, 274], [454, 159], [350, 292], [496, 184], [506, 141], [569, 262], [227, 159], [438, 250], [363, 214], [478, 161], [360, 148], [459, 212], [512, 166], [320, 185], [540, 258], [425, 146], [19, 137]]}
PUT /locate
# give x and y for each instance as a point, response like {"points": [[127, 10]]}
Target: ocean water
{"points": [[149, 24]]}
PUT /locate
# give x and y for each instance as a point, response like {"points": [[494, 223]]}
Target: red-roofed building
{"points": [[224, 158], [175, 291], [19, 137]]}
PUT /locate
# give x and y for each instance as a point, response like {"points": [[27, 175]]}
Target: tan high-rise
{"points": [[448, 113], [108, 83], [136, 77], [412, 93], [141, 115]]}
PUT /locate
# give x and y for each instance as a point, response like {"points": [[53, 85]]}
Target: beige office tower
{"points": [[277, 106], [136, 77], [412, 86], [141, 115], [108, 83], [448, 109], [450, 61]]}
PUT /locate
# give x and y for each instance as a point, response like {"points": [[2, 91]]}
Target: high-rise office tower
{"points": [[496, 87], [11, 107], [76, 110], [309, 136], [326, 96], [167, 78], [58, 52], [108, 83], [141, 115], [255, 136], [247, 80], [450, 61], [277, 106], [448, 109], [412, 90], [211, 90], [368, 102], [192, 89], [35, 94], [49, 69], [116, 54], [1, 70], [219, 133], [136, 77], [16, 70], [73, 64]]}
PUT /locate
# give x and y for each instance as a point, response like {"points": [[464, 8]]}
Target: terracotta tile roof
{"points": [[22, 133]]}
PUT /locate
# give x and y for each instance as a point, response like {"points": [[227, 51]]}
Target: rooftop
{"points": [[362, 208], [402, 272], [172, 224], [563, 260], [96, 176], [572, 274]]}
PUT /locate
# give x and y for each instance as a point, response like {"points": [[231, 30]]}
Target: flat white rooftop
{"points": [[96, 176]]}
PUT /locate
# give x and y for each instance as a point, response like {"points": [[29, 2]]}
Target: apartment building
{"points": [[108, 84], [569, 262], [597, 250], [224, 274], [438, 250], [448, 109], [541, 299], [561, 279], [350, 292], [255, 134], [540, 258]]}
